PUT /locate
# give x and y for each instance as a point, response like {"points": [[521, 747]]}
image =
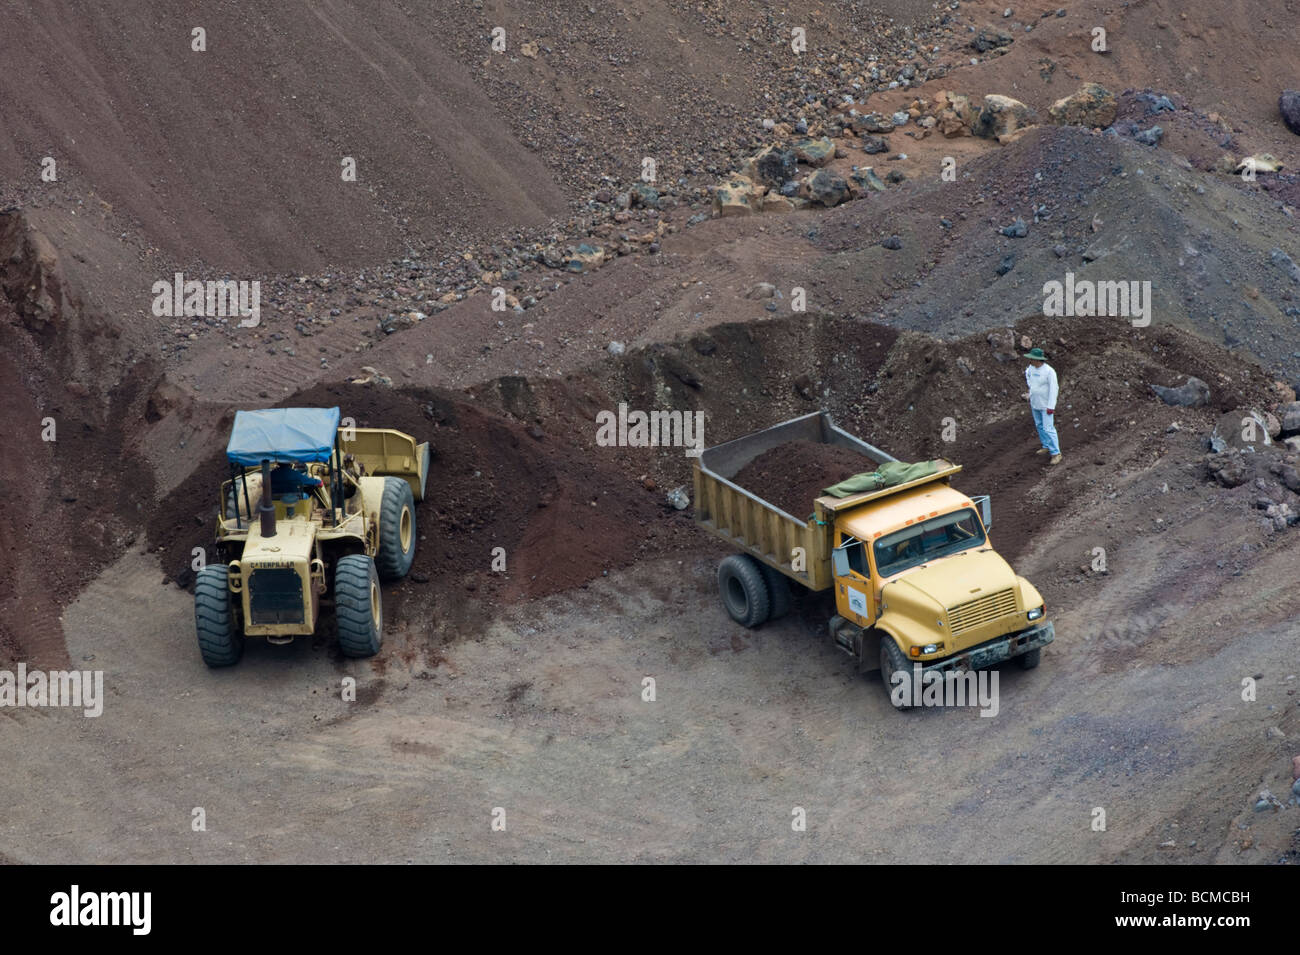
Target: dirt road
{"points": [[541, 714]]}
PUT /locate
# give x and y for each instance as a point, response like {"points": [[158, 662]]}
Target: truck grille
{"points": [[981, 610], [275, 596]]}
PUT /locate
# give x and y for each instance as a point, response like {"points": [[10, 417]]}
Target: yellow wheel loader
{"points": [[313, 516]]}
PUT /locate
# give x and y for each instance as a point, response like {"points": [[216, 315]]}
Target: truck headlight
{"points": [[929, 648], [1035, 614]]}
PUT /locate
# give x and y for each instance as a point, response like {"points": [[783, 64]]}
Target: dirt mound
{"points": [[793, 474], [562, 516]]}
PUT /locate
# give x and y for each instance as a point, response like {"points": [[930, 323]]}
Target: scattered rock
{"points": [[872, 123], [1289, 419], [991, 39], [1285, 263], [1092, 106], [1017, 230], [1243, 428], [893, 242], [678, 498], [826, 188], [1149, 137], [1228, 468], [1193, 393], [1288, 104], [1007, 264], [864, 177], [1001, 117], [738, 196], [616, 348], [761, 290], [875, 144], [814, 152], [772, 167], [1003, 343]]}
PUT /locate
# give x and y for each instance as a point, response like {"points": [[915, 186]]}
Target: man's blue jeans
{"points": [[1046, 425]]}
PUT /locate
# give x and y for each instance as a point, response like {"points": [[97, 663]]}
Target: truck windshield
{"points": [[937, 537]]}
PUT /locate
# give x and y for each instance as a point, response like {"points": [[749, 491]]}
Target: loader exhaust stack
{"points": [[266, 510]]}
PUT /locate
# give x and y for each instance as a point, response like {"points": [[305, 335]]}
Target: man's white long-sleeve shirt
{"points": [[1042, 386]]}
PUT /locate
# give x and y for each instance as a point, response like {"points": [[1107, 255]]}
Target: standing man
{"points": [[1041, 378]]}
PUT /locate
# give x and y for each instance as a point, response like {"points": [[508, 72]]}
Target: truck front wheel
{"points": [[744, 590], [1030, 660], [893, 662]]}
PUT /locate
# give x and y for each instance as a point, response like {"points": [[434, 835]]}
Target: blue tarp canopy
{"points": [[298, 435]]}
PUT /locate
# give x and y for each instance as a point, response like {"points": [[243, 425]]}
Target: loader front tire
{"points": [[396, 530], [358, 606], [221, 642], [744, 590]]}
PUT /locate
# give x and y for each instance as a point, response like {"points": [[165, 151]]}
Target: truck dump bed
{"points": [[757, 527]]}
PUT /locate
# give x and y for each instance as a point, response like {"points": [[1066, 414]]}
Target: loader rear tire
{"points": [[221, 642], [358, 606], [778, 591], [744, 590], [396, 530]]}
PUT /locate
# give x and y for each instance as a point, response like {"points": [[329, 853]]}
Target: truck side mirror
{"points": [[840, 562], [985, 504]]}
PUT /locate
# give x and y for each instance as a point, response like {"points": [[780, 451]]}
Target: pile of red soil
{"points": [[563, 516], [794, 474]]}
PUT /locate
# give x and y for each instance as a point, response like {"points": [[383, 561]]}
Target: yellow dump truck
{"points": [[918, 586]]}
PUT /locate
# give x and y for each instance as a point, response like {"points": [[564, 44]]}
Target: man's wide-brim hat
{"points": [[1036, 354]]}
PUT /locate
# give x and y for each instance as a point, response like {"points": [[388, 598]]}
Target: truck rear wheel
{"points": [[221, 642], [744, 590], [892, 661], [1030, 660], [396, 530], [358, 606], [778, 591]]}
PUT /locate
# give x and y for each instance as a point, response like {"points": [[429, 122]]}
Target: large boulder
{"points": [[773, 166], [1093, 106], [738, 196], [1002, 116], [814, 151], [1288, 104], [1245, 428], [826, 188]]}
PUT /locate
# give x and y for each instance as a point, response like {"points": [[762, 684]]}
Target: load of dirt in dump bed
{"points": [[794, 474]]}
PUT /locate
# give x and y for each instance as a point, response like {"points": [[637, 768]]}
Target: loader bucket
{"points": [[383, 452]]}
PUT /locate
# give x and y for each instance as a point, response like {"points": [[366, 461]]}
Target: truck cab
{"points": [[918, 567]]}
